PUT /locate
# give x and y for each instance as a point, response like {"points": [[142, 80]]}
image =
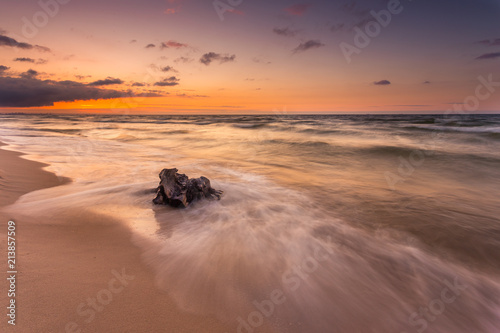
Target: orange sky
{"points": [[260, 58]]}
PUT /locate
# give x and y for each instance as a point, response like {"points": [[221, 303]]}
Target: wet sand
{"points": [[84, 276]]}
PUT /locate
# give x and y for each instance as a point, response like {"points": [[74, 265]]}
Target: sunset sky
{"points": [[242, 56]]}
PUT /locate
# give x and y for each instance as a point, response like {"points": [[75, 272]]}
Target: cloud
{"points": [[489, 56], [259, 60], [287, 32], [183, 59], [25, 60], [133, 41], [41, 48], [151, 94], [426, 82], [382, 83], [236, 11], [149, 46], [168, 82], [310, 44], [106, 82], [81, 77], [41, 61], [11, 42], [29, 74], [208, 58], [168, 69], [338, 27], [177, 7], [138, 84], [3, 69], [191, 96], [490, 42], [297, 9], [171, 10], [32, 92], [172, 44]]}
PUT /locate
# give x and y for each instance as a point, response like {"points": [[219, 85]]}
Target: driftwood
{"points": [[178, 190]]}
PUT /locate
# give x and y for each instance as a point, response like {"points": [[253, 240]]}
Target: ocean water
{"points": [[327, 223]]}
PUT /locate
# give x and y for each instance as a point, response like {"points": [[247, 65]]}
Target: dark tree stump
{"points": [[177, 190]]}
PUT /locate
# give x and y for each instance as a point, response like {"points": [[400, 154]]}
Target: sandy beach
{"points": [[61, 266]]}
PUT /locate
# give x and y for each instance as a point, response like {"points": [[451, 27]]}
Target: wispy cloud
{"points": [[208, 58], [183, 60], [150, 46], [489, 56], [297, 9], [172, 44], [184, 95], [175, 6], [287, 32], [490, 42], [82, 77], [310, 44], [338, 27]]}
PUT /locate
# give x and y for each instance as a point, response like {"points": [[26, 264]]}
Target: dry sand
{"points": [[61, 266]]}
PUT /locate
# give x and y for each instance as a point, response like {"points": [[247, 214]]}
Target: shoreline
{"points": [[83, 276]]}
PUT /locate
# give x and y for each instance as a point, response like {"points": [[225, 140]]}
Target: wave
{"points": [[451, 128], [249, 125]]}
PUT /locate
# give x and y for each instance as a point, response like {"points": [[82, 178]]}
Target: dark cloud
{"points": [[149, 46], [168, 82], [29, 74], [138, 84], [25, 60], [427, 82], [3, 69], [382, 83], [31, 92], [172, 44], [490, 42], [208, 58], [310, 44], [287, 32], [298, 9], [489, 56], [106, 82], [7, 41]]}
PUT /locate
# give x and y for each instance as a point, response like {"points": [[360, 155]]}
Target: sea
{"points": [[328, 223]]}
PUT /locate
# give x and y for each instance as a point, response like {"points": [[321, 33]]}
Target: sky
{"points": [[242, 56]]}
